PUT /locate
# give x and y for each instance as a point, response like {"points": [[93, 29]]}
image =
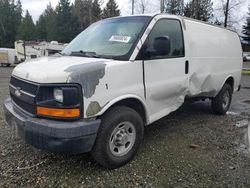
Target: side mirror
{"points": [[161, 47]]}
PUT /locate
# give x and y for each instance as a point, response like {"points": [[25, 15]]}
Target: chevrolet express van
{"points": [[117, 76]]}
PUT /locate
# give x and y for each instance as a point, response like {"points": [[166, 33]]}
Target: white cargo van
{"points": [[117, 76]]}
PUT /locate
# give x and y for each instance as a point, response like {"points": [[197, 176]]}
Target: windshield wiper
{"points": [[84, 54], [61, 53]]}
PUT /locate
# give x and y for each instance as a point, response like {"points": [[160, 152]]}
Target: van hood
{"points": [[58, 69]]}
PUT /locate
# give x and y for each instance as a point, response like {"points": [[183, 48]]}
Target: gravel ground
{"points": [[189, 148]]}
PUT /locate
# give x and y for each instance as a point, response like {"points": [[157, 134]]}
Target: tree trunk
{"points": [[133, 6], [226, 14]]}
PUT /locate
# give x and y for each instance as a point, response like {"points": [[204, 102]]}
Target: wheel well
{"points": [[230, 81], [136, 105]]}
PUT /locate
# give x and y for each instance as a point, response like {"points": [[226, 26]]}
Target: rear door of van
{"points": [[166, 78]]}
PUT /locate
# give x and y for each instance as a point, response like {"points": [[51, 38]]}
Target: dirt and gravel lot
{"points": [[189, 148]]}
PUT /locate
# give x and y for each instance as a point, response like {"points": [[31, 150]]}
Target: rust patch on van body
{"points": [[93, 108]]}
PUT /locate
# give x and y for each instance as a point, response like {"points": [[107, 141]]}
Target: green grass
{"points": [[246, 72]]}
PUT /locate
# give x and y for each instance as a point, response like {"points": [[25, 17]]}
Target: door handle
{"points": [[186, 67]]}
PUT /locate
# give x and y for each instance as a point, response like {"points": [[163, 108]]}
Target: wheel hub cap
{"points": [[122, 139]]}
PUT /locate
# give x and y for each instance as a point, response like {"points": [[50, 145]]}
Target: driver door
{"points": [[166, 76]]}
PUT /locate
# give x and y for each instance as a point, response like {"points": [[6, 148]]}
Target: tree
{"points": [[96, 11], [51, 26], [41, 31], [175, 7], [10, 19], [87, 12], [199, 9], [217, 22], [80, 11], [188, 10], [46, 26], [111, 9], [67, 25], [26, 29], [141, 6], [227, 12], [246, 27]]}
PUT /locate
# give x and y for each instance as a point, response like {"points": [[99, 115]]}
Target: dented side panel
{"points": [[166, 86], [214, 55]]}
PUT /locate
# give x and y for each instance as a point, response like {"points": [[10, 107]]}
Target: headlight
{"points": [[58, 95], [59, 101]]}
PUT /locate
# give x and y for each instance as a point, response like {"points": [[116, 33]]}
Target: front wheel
{"points": [[119, 137], [222, 102]]}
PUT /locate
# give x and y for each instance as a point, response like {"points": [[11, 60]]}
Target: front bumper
{"points": [[55, 136]]}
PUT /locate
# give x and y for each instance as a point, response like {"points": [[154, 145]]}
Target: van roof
{"points": [[180, 17]]}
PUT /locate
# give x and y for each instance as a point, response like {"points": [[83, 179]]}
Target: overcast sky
{"points": [[36, 7]]}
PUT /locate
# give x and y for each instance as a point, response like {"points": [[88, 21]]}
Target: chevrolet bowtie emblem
{"points": [[18, 92]]}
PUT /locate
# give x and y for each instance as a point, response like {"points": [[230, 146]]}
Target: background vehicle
{"points": [[246, 56], [26, 50], [117, 76], [7, 56]]}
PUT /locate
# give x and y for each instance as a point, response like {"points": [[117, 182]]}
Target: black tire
{"points": [[221, 103], [101, 151], [7, 65]]}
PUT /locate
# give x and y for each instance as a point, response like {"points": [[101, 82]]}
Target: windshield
{"points": [[112, 38]]}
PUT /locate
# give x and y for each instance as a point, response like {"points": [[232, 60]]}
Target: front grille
{"points": [[28, 90], [31, 108], [26, 86]]}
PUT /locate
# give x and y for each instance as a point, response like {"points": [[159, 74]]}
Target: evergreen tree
{"points": [[79, 13], [246, 27], [26, 30], [96, 11], [67, 25], [199, 9], [46, 26], [41, 31], [10, 19], [175, 7], [111, 9], [82, 10], [188, 12], [51, 25], [18, 12]]}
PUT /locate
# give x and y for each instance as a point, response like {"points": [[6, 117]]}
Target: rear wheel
{"points": [[222, 102], [119, 137]]}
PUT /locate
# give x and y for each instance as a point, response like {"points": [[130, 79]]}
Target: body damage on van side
{"points": [[208, 65]]}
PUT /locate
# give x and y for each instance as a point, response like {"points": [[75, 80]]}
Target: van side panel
{"points": [[214, 55]]}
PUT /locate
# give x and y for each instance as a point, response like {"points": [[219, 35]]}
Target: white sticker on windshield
{"points": [[120, 38]]}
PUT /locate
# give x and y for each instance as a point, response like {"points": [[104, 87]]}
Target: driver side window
{"points": [[170, 28]]}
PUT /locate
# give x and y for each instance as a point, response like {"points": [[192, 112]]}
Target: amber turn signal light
{"points": [[55, 112]]}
